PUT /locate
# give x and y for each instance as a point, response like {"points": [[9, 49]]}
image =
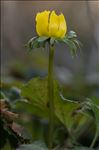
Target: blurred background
{"points": [[18, 26]]}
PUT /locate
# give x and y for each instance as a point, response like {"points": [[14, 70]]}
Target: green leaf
{"points": [[76, 148], [35, 91], [42, 38], [77, 43], [72, 46], [72, 42], [82, 148], [34, 146], [36, 94], [94, 106], [2, 95], [72, 34], [96, 109], [30, 43], [32, 108], [36, 42]]}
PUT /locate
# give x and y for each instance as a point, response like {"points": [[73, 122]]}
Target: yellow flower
{"points": [[50, 24]]}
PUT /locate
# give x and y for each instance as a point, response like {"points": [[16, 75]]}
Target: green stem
{"points": [[51, 95], [95, 138]]}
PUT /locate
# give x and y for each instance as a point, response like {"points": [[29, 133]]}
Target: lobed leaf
{"points": [[35, 91]]}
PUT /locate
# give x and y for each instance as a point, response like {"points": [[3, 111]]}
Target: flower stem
{"points": [[51, 95]]}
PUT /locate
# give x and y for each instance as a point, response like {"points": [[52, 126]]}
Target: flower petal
{"points": [[62, 26], [42, 23], [53, 24]]}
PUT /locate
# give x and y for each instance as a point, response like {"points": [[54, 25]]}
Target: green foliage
{"points": [[72, 120], [94, 106], [36, 42], [35, 146], [33, 99], [82, 148], [70, 40], [67, 112], [35, 91], [41, 146]]}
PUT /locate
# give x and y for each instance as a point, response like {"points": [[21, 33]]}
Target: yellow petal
{"points": [[42, 23], [53, 24], [62, 26]]}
